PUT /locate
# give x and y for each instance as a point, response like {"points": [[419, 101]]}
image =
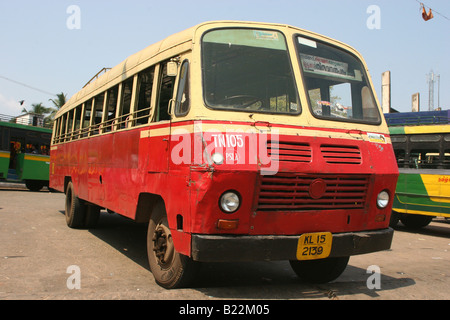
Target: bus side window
{"points": [[182, 99], [111, 106], [69, 125], [165, 94], [87, 117], [77, 128], [63, 127], [144, 96], [56, 130], [61, 130], [127, 91], [446, 156], [98, 113]]}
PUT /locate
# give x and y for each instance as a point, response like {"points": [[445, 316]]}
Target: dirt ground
{"points": [[38, 250]]}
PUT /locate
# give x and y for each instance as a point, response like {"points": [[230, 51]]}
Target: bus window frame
{"points": [[87, 107], [291, 65], [124, 121], [147, 109], [55, 130], [76, 129], [64, 127], [108, 125], [413, 150], [155, 117], [305, 89], [95, 128], [70, 124], [187, 82]]}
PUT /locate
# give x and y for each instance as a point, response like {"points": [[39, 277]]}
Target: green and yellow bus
{"points": [[24, 153], [423, 157]]}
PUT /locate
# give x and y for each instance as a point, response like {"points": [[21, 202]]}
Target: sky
{"points": [[47, 47]]}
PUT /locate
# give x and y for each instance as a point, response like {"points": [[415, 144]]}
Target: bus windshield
{"points": [[336, 83], [248, 70]]}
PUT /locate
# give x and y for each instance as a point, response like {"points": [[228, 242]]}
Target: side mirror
{"points": [[172, 69]]}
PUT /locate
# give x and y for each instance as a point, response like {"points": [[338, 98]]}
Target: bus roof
{"points": [[130, 66], [418, 118], [420, 129], [25, 127], [126, 66]]}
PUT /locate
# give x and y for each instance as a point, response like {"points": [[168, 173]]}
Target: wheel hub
{"points": [[163, 245]]}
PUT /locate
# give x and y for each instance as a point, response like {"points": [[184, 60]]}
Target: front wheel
{"points": [[320, 271], [170, 268]]}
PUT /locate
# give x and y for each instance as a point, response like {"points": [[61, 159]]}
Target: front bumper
{"points": [[222, 248]]}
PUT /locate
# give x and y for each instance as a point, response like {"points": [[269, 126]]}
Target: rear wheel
{"points": [[34, 185], [320, 271], [415, 221], [92, 216], [75, 209], [170, 268]]}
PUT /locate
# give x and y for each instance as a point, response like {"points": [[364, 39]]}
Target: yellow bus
{"points": [[421, 142], [234, 141]]}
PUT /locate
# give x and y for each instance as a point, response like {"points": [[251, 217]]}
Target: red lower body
{"points": [[320, 184]]}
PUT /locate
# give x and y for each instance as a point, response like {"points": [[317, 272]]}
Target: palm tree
{"points": [[38, 108], [61, 99]]}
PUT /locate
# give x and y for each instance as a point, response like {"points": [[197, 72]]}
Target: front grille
{"points": [[336, 154], [285, 151], [291, 192]]}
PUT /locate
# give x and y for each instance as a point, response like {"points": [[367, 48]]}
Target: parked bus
{"points": [[235, 141], [24, 153], [423, 155]]}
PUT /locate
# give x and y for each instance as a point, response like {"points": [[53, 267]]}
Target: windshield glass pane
{"points": [[248, 70], [336, 83]]}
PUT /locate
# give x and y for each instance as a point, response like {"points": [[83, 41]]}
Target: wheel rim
{"points": [[163, 247]]}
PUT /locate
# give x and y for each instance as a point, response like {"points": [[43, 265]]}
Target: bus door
{"points": [[160, 130], [5, 154], [16, 147]]}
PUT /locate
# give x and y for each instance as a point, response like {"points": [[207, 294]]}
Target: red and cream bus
{"points": [[234, 141]]}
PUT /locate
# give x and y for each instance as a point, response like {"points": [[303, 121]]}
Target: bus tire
{"points": [[92, 216], [34, 185], [170, 268], [319, 271], [415, 221], [395, 218], [75, 209]]}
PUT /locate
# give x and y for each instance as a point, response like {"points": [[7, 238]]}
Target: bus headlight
{"points": [[383, 199], [217, 158], [229, 202]]}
